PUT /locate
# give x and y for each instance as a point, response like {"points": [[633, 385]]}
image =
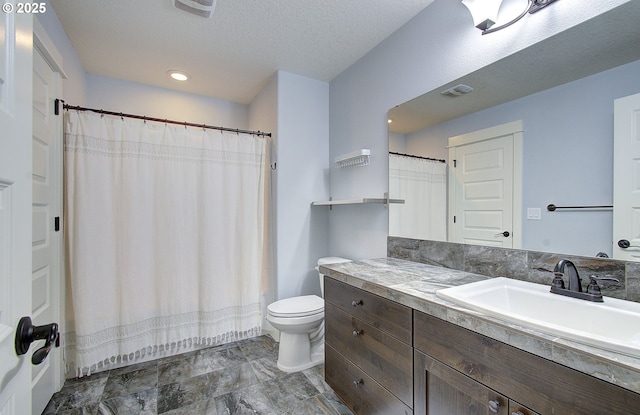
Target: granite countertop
{"points": [[414, 285]]}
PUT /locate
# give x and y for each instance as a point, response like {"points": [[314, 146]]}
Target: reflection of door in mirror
{"points": [[626, 176], [484, 186]]}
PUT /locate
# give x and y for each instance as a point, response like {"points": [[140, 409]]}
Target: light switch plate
{"points": [[534, 213]]}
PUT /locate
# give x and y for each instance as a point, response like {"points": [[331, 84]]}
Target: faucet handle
{"points": [[593, 287], [557, 282]]}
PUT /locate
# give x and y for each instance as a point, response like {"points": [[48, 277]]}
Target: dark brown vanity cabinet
{"points": [[446, 391], [368, 352], [443, 390], [382, 357], [458, 371]]}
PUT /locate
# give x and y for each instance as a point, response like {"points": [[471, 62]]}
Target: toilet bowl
{"points": [[300, 321]]}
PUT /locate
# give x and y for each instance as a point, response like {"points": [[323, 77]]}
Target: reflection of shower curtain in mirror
{"points": [[423, 185], [166, 239]]}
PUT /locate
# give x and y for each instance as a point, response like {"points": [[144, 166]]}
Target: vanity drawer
{"points": [[388, 316], [385, 358], [358, 391], [516, 409], [543, 386]]}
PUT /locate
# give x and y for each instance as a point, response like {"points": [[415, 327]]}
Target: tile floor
{"points": [[233, 379]]}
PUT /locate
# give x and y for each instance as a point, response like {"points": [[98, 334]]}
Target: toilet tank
{"points": [[328, 260]]}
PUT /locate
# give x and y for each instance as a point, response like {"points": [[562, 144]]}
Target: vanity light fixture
{"points": [[179, 75], [485, 13]]}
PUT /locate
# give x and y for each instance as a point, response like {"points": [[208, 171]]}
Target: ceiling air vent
{"points": [[203, 8], [456, 91]]}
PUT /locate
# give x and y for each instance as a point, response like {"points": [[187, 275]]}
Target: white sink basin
{"points": [[613, 324]]}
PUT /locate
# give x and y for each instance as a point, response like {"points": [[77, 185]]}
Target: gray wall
{"points": [[74, 87], [134, 98], [302, 146]]}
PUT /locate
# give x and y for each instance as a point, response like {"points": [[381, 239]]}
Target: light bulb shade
{"points": [[484, 12]]}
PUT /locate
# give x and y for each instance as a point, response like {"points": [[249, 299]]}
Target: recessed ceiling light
{"points": [[178, 75]]}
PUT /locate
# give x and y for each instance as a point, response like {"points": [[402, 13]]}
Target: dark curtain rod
{"points": [[417, 157], [141, 117]]}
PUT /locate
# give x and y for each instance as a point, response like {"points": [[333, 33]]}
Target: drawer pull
{"points": [[356, 303], [494, 406], [357, 383], [357, 333]]}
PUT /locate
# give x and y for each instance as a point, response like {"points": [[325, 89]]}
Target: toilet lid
{"points": [[305, 305]]}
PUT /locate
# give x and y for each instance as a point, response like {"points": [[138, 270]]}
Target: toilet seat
{"points": [[306, 305]]}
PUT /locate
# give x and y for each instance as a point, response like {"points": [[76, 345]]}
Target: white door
{"points": [[626, 178], [484, 182], [15, 206], [46, 234]]}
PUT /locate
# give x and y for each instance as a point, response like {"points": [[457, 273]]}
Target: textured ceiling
{"points": [[232, 55]]}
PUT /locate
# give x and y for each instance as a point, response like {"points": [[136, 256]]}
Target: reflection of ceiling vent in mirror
{"points": [[202, 8], [456, 91]]}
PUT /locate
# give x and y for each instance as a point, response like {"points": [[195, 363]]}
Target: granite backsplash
{"points": [[518, 264]]}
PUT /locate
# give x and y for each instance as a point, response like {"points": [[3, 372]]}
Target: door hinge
{"points": [[455, 163], [56, 106], [56, 223], [454, 219]]}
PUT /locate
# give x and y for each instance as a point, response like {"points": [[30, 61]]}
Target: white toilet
{"points": [[300, 321]]}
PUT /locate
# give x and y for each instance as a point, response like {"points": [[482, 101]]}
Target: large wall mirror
{"points": [[562, 92]]}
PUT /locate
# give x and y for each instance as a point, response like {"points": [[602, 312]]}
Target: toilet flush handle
{"points": [[356, 303]]}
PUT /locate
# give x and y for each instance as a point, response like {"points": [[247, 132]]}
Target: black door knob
{"points": [[624, 244], [505, 234], [27, 333]]}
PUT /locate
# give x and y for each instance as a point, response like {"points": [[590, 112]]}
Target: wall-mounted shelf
{"points": [[360, 201]]}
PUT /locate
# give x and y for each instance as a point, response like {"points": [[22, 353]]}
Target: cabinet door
{"points": [[440, 390], [545, 386]]}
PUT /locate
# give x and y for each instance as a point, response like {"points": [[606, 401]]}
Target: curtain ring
{"points": [[144, 119], [122, 116]]}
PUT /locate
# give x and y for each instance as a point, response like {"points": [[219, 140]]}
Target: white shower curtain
{"points": [[166, 237], [423, 185]]}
